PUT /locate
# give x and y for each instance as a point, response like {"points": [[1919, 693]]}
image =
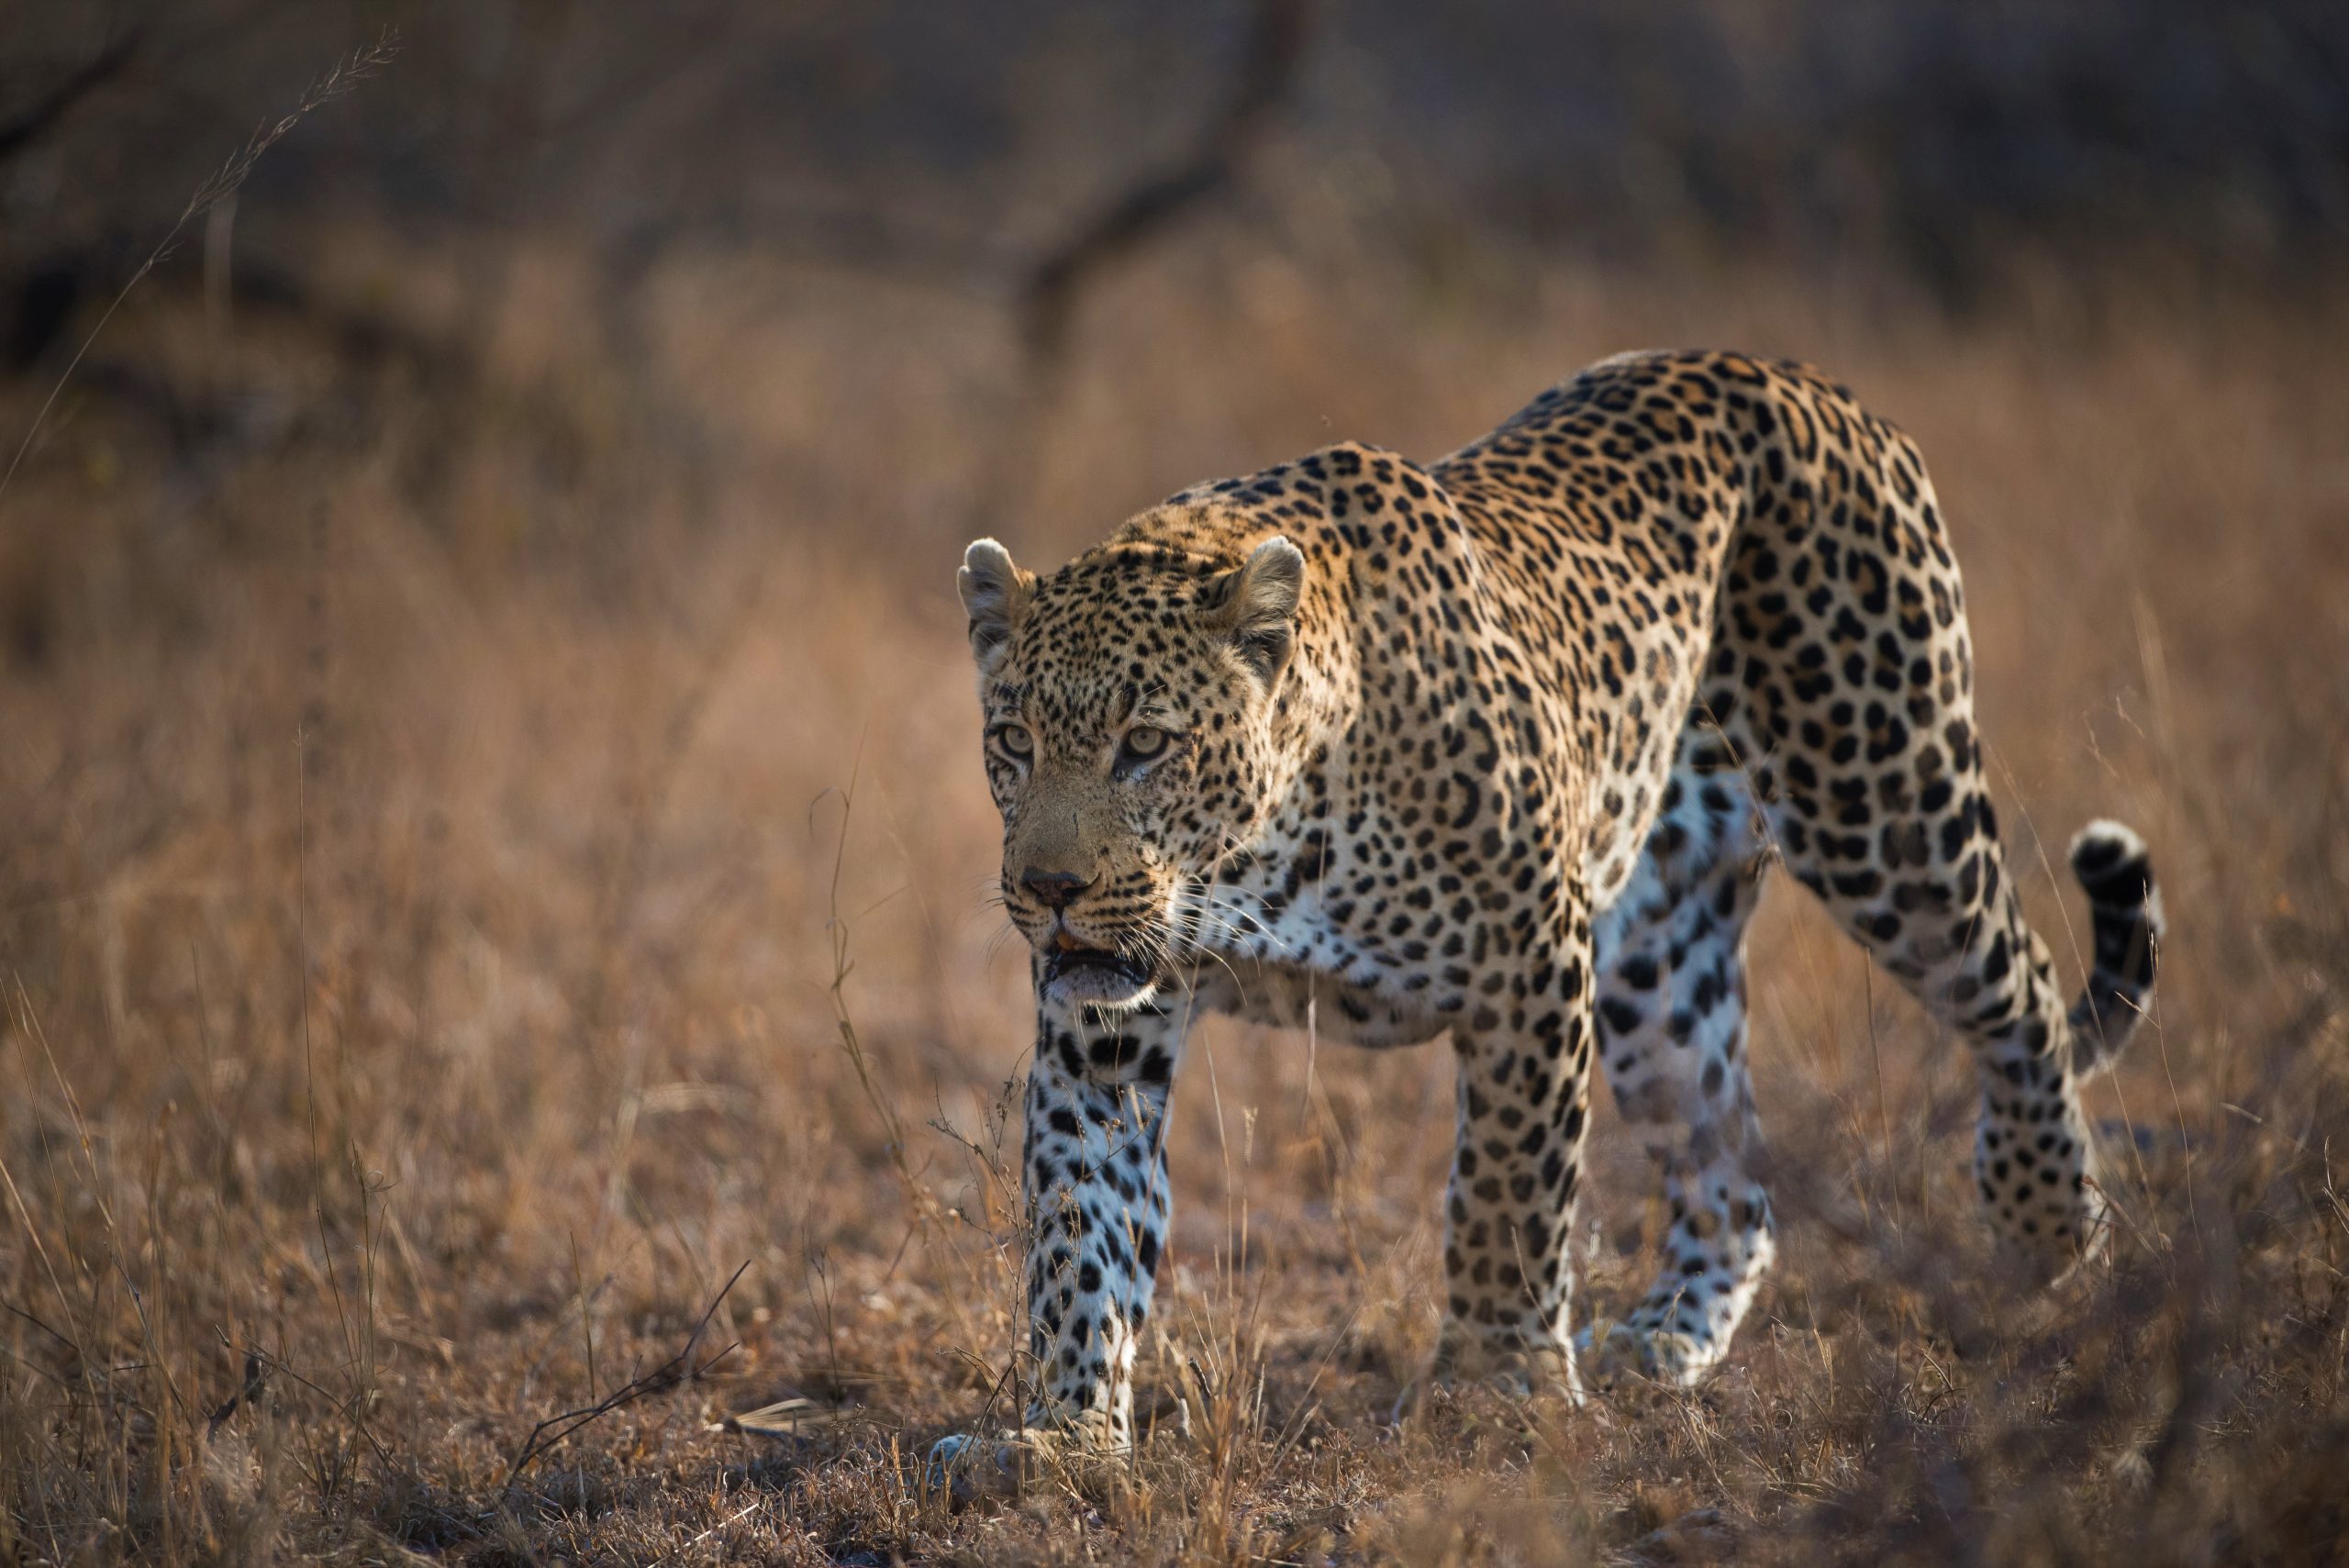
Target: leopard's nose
{"points": [[1055, 889]]}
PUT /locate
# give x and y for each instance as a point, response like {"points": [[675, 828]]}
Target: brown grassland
{"points": [[500, 846]]}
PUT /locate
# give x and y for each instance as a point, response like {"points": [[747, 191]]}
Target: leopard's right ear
{"points": [[994, 594]]}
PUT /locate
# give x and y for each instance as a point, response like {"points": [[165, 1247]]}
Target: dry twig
{"points": [[678, 1370]]}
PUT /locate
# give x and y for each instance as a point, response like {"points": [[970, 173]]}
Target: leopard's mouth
{"points": [[1096, 974]]}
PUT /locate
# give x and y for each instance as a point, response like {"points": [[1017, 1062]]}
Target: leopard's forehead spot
{"points": [[1114, 635]]}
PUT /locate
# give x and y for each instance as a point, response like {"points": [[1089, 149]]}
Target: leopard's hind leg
{"points": [[1940, 912], [1672, 1012], [1843, 665]]}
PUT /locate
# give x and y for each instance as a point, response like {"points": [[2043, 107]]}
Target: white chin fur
{"points": [[1100, 988]]}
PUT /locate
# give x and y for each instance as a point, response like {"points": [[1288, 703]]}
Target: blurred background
{"points": [[490, 821], [745, 245]]}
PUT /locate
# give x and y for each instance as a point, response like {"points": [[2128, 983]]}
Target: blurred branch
{"points": [[28, 126], [1045, 291], [1154, 201], [366, 340], [1144, 210]]}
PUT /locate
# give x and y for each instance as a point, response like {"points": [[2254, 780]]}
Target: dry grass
{"points": [[456, 845]]}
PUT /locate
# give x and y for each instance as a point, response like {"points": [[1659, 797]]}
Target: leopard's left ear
{"points": [[1256, 604]]}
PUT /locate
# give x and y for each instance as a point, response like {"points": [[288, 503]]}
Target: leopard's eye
{"points": [[1144, 743], [1015, 739]]}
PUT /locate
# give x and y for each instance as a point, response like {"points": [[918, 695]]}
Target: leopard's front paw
{"points": [[973, 1464], [969, 1465], [1612, 1350]]}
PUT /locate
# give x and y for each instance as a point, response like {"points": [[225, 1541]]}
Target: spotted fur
{"points": [[1503, 747]]}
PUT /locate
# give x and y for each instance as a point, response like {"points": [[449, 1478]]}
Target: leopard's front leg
{"points": [[1094, 1173], [1524, 1059]]}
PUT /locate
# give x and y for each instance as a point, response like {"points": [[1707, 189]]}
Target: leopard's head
{"points": [[1129, 701]]}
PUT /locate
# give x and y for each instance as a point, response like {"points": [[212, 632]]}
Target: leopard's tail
{"points": [[2126, 908]]}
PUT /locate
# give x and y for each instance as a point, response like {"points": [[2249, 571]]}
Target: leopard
{"points": [[1503, 748]]}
